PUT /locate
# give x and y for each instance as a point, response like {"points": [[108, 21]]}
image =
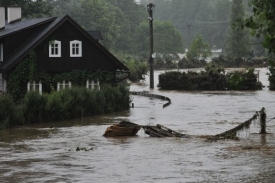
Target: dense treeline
{"points": [[209, 18], [60, 105]]}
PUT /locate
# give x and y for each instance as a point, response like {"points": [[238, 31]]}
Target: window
{"points": [[34, 86], [64, 85], [1, 52], [75, 48], [55, 49], [91, 85]]}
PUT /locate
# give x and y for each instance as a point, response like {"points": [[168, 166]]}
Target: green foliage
{"points": [[25, 71], [247, 80], [198, 49], [237, 39], [213, 78], [69, 103], [10, 114], [261, 24], [31, 9], [167, 39], [192, 81], [205, 17], [137, 69], [20, 75], [214, 68], [33, 103]]}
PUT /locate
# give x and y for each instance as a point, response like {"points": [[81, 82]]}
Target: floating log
{"points": [[124, 128]]}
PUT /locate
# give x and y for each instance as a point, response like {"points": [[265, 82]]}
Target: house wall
{"points": [[93, 58], [1, 83]]}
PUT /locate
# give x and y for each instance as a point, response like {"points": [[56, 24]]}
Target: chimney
{"points": [[14, 14], [2, 17]]}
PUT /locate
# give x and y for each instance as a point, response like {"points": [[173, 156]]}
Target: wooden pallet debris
{"points": [[161, 131]]}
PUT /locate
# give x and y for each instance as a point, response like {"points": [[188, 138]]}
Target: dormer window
{"points": [[1, 52], [75, 48], [55, 49]]}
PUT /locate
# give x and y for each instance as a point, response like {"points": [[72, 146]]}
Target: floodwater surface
{"points": [[47, 152]]}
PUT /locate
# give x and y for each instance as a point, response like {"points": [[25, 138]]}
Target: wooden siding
{"points": [[93, 58]]}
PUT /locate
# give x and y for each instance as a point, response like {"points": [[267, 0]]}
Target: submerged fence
{"points": [[232, 133], [147, 94]]}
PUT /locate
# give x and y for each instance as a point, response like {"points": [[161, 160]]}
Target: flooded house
{"points": [[60, 45]]}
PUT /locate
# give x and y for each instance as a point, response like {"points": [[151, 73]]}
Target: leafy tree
{"points": [[198, 48], [30, 8], [92, 15], [129, 15], [192, 17], [167, 39], [237, 40], [261, 23]]}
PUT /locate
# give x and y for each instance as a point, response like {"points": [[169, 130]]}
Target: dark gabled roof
{"points": [[22, 25], [96, 34], [36, 39]]}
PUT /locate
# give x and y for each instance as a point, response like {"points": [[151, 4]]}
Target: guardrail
{"points": [[147, 94]]}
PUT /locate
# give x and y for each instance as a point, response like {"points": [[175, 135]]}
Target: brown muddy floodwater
{"points": [[43, 154]]}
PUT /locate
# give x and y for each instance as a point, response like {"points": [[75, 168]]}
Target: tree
{"points": [[92, 15], [129, 15], [262, 23], [237, 40], [30, 8], [198, 48], [167, 39]]}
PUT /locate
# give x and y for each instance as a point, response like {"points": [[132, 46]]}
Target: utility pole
{"points": [[189, 36], [150, 9]]}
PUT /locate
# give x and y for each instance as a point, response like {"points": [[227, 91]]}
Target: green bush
{"points": [[246, 80], [64, 104], [34, 106], [213, 78], [10, 114]]}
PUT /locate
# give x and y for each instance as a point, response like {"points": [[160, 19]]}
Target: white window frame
{"points": [[32, 86], [73, 48], [58, 47], [62, 85], [91, 85], [1, 52]]}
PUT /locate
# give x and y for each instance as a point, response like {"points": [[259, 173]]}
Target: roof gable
{"points": [[23, 25]]}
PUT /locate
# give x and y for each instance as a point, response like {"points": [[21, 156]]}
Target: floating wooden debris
{"points": [[161, 131], [124, 128]]}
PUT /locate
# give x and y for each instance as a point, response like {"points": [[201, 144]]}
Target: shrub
{"points": [[34, 106], [10, 114]]}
